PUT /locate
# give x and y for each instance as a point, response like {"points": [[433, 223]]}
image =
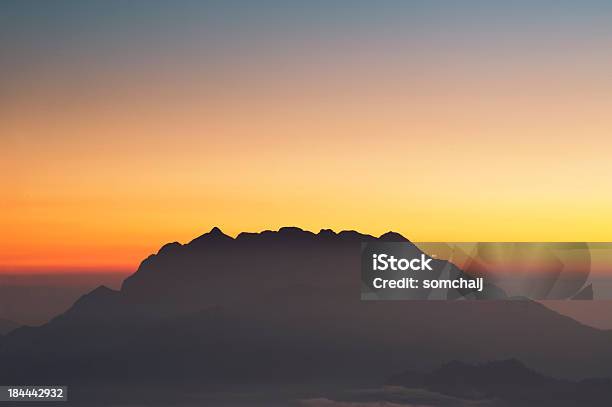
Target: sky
{"points": [[126, 125]]}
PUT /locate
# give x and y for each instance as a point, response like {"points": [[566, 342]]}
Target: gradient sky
{"points": [[125, 125]]}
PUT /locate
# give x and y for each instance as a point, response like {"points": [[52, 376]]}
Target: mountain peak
{"points": [[99, 301], [215, 231], [215, 234], [392, 237], [326, 233]]}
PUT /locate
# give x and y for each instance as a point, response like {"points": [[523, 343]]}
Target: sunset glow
{"points": [[149, 126]]}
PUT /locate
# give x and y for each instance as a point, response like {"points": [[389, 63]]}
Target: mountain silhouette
{"points": [[7, 326], [281, 307], [508, 380]]}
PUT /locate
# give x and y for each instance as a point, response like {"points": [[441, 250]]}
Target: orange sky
{"points": [[103, 162]]}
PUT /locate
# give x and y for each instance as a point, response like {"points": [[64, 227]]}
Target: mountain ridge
{"points": [[508, 380], [283, 305], [7, 326]]}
